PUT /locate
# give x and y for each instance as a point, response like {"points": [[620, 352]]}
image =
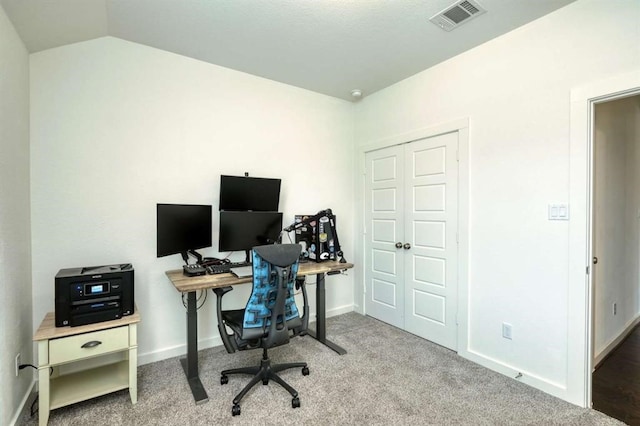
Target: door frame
{"points": [[462, 127], [581, 187]]}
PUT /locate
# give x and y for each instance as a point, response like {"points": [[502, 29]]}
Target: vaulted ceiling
{"points": [[327, 46]]}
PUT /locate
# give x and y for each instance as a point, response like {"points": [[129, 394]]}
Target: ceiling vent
{"points": [[453, 16]]}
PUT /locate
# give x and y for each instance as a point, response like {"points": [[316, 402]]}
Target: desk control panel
{"points": [[193, 270]]}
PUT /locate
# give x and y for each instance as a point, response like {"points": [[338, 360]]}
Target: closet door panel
{"points": [[384, 227], [430, 217]]}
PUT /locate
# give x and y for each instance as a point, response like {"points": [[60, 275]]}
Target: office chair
{"points": [[269, 319]]}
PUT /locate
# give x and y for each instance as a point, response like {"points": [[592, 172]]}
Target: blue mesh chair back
{"points": [[257, 313]]}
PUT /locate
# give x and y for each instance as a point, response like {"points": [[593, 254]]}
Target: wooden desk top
{"points": [[48, 329], [184, 284]]}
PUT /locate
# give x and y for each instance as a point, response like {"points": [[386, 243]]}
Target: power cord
{"points": [[23, 366], [32, 410], [202, 293]]}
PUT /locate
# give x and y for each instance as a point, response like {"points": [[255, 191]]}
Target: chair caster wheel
{"points": [[305, 371], [224, 380], [265, 382], [295, 402], [235, 410]]}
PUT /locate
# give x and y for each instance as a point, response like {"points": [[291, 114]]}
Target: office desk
{"points": [[190, 285]]}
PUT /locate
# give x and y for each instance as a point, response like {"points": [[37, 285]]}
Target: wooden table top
{"points": [[48, 329], [184, 284]]}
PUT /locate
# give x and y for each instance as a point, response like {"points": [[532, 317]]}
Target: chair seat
{"points": [[234, 319]]}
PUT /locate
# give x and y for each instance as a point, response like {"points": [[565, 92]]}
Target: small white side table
{"points": [[65, 345]]}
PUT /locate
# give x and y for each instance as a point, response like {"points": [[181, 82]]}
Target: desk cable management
{"points": [[202, 293]]}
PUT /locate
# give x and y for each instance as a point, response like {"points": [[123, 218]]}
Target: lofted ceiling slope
{"points": [[326, 46]]}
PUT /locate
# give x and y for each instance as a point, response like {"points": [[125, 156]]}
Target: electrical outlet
{"points": [[615, 309], [506, 331], [17, 364]]}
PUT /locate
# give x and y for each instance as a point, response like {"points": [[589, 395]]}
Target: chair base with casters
{"points": [[270, 318], [264, 372]]}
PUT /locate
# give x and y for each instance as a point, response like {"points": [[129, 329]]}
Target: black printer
{"points": [[91, 294]]}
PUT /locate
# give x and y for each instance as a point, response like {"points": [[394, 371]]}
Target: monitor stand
{"points": [[185, 256]]}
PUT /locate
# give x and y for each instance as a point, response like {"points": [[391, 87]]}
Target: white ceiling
{"points": [[327, 46]]}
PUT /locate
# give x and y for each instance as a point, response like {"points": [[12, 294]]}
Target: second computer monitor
{"points": [[182, 227], [243, 193], [241, 231]]}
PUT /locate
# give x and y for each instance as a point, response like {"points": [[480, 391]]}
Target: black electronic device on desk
{"points": [[86, 295], [225, 267], [241, 231], [244, 193], [318, 236], [194, 270], [181, 229], [249, 214]]}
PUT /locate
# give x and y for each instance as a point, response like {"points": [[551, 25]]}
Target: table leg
{"points": [[43, 399], [321, 315], [190, 363]]}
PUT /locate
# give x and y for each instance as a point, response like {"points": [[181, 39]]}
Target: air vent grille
{"points": [[469, 7], [456, 14]]}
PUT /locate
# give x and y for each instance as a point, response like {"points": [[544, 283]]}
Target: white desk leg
{"points": [[133, 363], [43, 383], [43, 396], [133, 375]]}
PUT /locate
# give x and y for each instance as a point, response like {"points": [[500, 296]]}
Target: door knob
{"points": [[398, 244], [407, 246], [595, 260]]}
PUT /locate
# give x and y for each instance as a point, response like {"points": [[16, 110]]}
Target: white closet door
{"points": [[431, 223], [384, 228]]}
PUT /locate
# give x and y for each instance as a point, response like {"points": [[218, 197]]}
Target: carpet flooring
{"points": [[387, 377]]}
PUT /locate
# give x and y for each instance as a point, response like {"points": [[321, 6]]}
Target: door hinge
{"points": [[587, 271]]}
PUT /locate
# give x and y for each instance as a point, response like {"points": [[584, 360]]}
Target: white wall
{"points": [[15, 243], [515, 90], [117, 127], [616, 215]]}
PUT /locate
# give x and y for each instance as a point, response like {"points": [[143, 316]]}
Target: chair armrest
{"points": [[229, 344]]}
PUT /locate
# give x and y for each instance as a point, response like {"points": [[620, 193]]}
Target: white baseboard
{"points": [[598, 358], [178, 350], [552, 388], [210, 342], [23, 407], [337, 311]]}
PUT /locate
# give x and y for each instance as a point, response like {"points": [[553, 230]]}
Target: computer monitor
{"points": [[183, 228], [243, 193], [245, 230]]}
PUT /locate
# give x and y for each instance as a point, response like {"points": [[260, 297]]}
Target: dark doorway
{"points": [[616, 382]]}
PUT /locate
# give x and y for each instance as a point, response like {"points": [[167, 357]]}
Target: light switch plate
{"points": [[559, 211]]}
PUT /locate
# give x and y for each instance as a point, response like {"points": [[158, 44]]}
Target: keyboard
{"points": [[225, 267]]}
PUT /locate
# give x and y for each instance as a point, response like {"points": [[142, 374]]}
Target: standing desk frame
{"points": [[190, 285]]}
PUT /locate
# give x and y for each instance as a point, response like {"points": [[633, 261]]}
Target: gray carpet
{"points": [[387, 377]]}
